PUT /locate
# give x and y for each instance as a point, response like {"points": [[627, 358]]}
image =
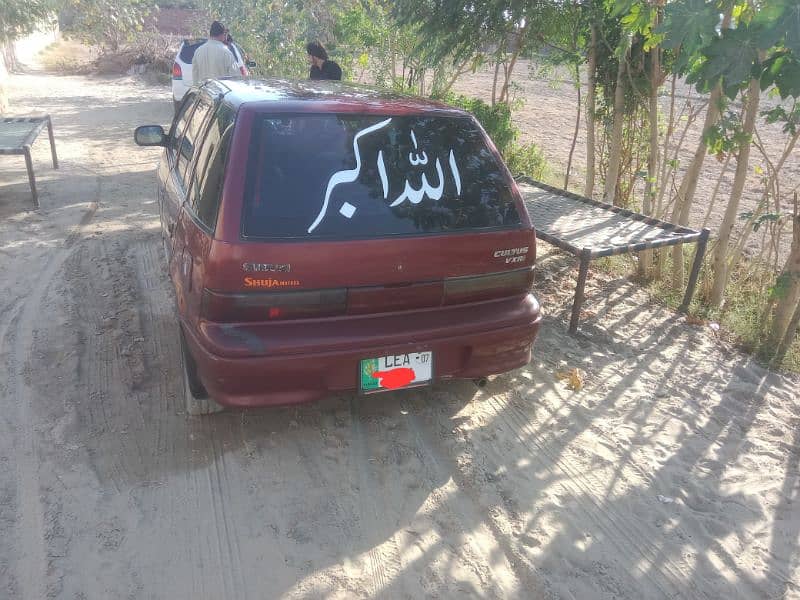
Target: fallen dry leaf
{"points": [[692, 320], [574, 378]]}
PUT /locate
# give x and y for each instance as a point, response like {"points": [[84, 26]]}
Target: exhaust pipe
{"points": [[480, 382]]}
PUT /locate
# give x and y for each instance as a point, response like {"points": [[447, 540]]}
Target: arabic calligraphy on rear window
{"points": [[352, 176]]}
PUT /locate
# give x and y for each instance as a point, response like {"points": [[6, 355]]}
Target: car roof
{"points": [[324, 96]]}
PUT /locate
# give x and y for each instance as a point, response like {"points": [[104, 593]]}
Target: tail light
{"points": [[176, 71], [272, 306], [486, 287]]}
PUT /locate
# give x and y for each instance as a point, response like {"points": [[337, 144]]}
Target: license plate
{"points": [[396, 371]]}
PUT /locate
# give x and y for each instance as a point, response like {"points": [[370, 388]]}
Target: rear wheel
{"points": [[197, 400]]}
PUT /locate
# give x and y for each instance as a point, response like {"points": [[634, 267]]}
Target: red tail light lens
{"points": [[272, 306], [176, 71], [486, 287]]}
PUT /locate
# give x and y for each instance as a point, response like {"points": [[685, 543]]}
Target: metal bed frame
{"points": [[17, 135], [557, 213]]}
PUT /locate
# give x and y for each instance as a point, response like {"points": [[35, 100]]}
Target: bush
{"points": [[526, 159], [496, 120], [522, 159]]}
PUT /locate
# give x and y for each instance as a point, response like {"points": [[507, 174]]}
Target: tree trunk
{"points": [[615, 146], [651, 185], [791, 332], [494, 81], [591, 74], [788, 283], [665, 152], [685, 197], [442, 90], [504, 93], [742, 162], [577, 126]]}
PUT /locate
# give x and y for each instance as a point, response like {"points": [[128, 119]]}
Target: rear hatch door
{"points": [[383, 212]]}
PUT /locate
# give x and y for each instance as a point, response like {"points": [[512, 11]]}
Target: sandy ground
{"points": [[673, 473]]}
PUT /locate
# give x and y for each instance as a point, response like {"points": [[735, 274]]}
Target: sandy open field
{"points": [[673, 473]]}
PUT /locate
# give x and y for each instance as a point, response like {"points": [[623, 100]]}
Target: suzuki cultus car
{"points": [[325, 238]]}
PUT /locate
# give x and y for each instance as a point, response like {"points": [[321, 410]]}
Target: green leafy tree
{"points": [[20, 17], [357, 34], [460, 35], [109, 23]]}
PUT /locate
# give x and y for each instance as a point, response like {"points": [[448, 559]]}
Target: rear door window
{"points": [[179, 125], [191, 137], [209, 171], [356, 176]]}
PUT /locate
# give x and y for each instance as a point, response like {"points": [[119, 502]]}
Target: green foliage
{"points": [[780, 20], [526, 159], [731, 60], [726, 135], [761, 219], [20, 17], [274, 33], [452, 35], [790, 118], [109, 23], [522, 159], [687, 28], [362, 33], [783, 71], [638, 18], [449, 32], [764, 42], [496, 120], [781, 286]]}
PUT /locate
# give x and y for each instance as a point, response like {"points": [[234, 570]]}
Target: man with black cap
{"points": [[214, 59], [321, 67]]}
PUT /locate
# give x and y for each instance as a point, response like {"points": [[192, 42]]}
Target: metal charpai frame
{"points": [[17, 135], [590, 229]]}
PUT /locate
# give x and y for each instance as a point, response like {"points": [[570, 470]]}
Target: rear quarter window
{"points": [[354, 176]]}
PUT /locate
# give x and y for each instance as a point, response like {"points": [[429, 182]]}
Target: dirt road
{"points": [[673, 473]]}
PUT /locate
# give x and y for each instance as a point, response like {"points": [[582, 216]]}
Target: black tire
{"points": [[197, 400]]}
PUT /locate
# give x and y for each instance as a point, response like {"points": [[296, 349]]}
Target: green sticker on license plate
{"points": [[396, 371]]}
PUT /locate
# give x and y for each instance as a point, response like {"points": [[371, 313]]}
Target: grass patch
{"points": [[743, 319]]}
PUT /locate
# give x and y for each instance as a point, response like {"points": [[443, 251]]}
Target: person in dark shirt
{"points": [[321, 67]]}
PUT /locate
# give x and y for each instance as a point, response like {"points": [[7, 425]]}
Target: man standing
{"points": [[214, 59], [321, 67]]}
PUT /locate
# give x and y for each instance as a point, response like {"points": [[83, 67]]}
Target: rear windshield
{"points": [[356, 176], [188, 50]]}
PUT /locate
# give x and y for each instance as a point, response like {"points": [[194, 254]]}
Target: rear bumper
{"points": [[293, 362]]}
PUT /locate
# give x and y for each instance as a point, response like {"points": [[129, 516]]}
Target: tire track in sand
{"points": [[33, 572]]}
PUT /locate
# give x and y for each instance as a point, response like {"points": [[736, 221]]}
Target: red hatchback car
{"points": [[324, 237]]}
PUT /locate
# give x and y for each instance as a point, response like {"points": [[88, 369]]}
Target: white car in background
{"points": [[182, 67]]}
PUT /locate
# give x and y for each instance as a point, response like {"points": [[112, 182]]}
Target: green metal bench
{"points": [[17, 135]]}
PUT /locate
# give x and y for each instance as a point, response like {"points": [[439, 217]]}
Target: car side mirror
{"points": [[150, 135], [250, 64]]}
